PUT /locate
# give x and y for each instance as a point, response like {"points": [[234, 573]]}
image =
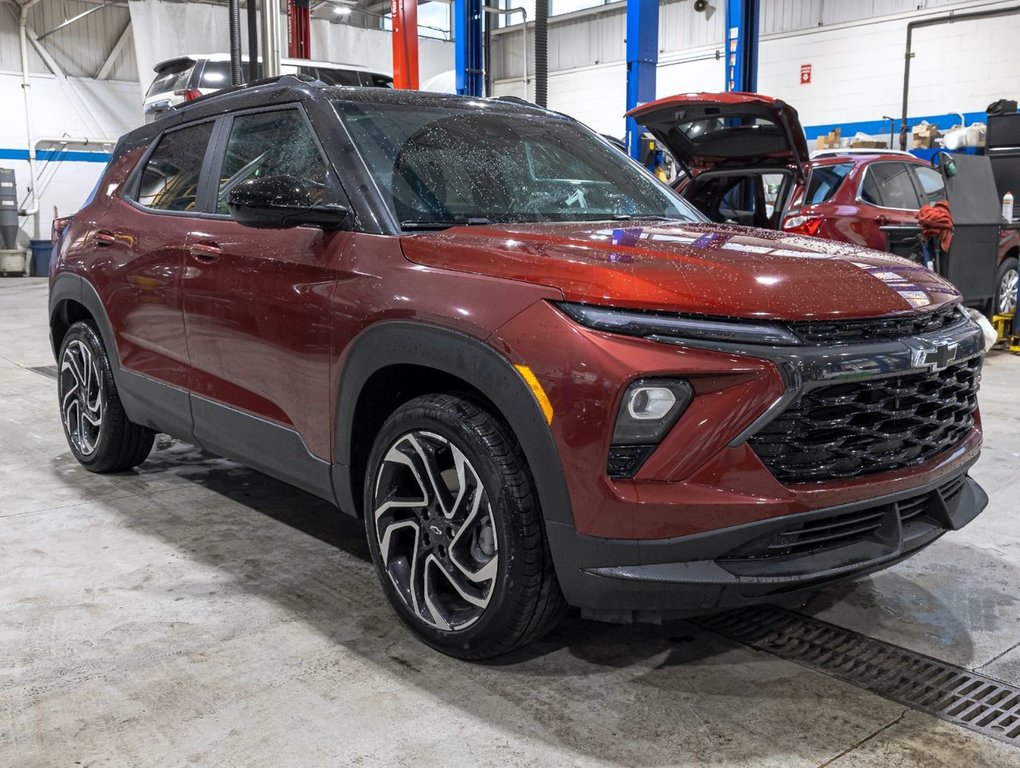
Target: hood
{"points": [[705, 269], [709, 131]]}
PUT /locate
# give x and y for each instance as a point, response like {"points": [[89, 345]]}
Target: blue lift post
{"points": [[742, 45], [642, 58], [468, 36]]}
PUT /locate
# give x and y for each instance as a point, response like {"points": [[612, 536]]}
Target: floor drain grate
{"points": [[954, 694], [49, 371]]}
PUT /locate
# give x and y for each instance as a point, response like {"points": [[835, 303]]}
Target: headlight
{"points": [[649, 409], [663, 327]]}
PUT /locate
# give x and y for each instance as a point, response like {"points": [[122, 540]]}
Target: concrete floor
{"points": [[195, 612]]}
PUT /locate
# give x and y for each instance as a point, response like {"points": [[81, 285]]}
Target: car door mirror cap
{"points": [[282, 202]]}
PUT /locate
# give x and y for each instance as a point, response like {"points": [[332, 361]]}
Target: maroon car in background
{"points": [[745, 160], [535, 372]]}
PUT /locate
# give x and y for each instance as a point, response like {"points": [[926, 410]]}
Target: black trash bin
{"points": [[42, 250]]}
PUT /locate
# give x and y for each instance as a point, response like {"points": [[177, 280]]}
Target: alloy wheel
{"points": [[433, 524], [1007, 292], [82, 401]]}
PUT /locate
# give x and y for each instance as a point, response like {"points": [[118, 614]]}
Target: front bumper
{"points": [[759, 561]]}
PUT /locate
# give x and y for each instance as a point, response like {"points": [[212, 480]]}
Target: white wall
{"points": [[857, 67], [73, 107]]}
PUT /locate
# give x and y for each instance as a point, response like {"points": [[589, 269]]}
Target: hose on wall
{"points": [[541, 52]]}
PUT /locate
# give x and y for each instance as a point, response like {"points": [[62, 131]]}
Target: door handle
{"points": [[205, 251], [104, 238]]}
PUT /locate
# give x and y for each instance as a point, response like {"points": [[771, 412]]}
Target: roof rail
{"points": [[857, 151]]}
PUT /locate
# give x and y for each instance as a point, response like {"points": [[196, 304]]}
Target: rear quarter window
{"points": [[824, 181], [173, 77], [169, 180]]}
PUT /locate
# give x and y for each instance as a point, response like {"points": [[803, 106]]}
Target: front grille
{"points": [[872, 524], [874, 329], [875, 425]]}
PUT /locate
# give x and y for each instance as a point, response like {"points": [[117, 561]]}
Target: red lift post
{"points": [[299, 29], [405, 43]]}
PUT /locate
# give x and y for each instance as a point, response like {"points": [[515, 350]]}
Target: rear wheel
{"points": [[455, 530], [1005, 286], [99, 433]]}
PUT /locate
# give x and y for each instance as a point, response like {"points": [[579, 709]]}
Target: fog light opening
{"points": [[646, 403]]}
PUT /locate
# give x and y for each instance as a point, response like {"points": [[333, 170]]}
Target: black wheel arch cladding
{"points": [[397, 342]]}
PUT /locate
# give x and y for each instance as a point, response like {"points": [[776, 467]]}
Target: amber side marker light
{"points": [[543, 400]]}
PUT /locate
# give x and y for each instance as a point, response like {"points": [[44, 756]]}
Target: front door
{"points": [[257, 304]]}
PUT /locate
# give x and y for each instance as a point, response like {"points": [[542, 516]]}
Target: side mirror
{"points": [[280, 202]]}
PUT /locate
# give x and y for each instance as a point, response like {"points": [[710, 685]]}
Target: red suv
{"points": [[540, 378], [745, 160]]}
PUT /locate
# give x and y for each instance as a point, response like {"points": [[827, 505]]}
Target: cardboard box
{"points": [[831, 140], [868, 144], [924, 136]]}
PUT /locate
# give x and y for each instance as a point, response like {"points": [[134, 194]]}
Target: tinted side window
{"points": [[170, 179], [889, 185], [338, 76], [933, 187], [376, 81], [216, 74], [824, 181], [277, 143]]}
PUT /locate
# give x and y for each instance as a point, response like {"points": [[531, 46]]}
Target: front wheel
{"points": [[99, 433], [455, 529]]}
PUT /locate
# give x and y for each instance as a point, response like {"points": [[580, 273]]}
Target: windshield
{"points": [[438, 166]]}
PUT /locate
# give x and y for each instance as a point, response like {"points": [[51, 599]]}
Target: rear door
{"points": [[258, 300], [887, 197], [145, 237], [142, 241]]}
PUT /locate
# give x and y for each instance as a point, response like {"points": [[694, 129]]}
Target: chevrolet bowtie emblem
{"points": [[933, 355]]}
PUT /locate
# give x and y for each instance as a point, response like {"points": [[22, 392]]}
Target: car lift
{"points": [[299, 29], [405, 44], [643, 54], [468, 41], [1006, 331], [742, 45], [642, 59]]}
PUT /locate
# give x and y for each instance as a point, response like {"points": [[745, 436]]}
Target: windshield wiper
{"points": [[471, 221]]}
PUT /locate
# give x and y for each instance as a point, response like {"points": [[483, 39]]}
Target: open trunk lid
{"points": [[713, 131]]}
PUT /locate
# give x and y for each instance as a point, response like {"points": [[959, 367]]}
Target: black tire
{"points": [[99, 433], [523, 601], [1005, 280]]}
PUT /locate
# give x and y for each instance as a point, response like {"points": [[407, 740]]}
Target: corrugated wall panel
{"points": [[681, 27], [10, 53], [126, 65], [81, 47], [590, 39], [791, 15]]}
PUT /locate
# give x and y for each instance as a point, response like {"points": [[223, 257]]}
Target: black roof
{"points": [[290, 88]]}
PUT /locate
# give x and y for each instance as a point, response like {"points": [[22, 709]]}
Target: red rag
{"points": [[937, 221]]}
